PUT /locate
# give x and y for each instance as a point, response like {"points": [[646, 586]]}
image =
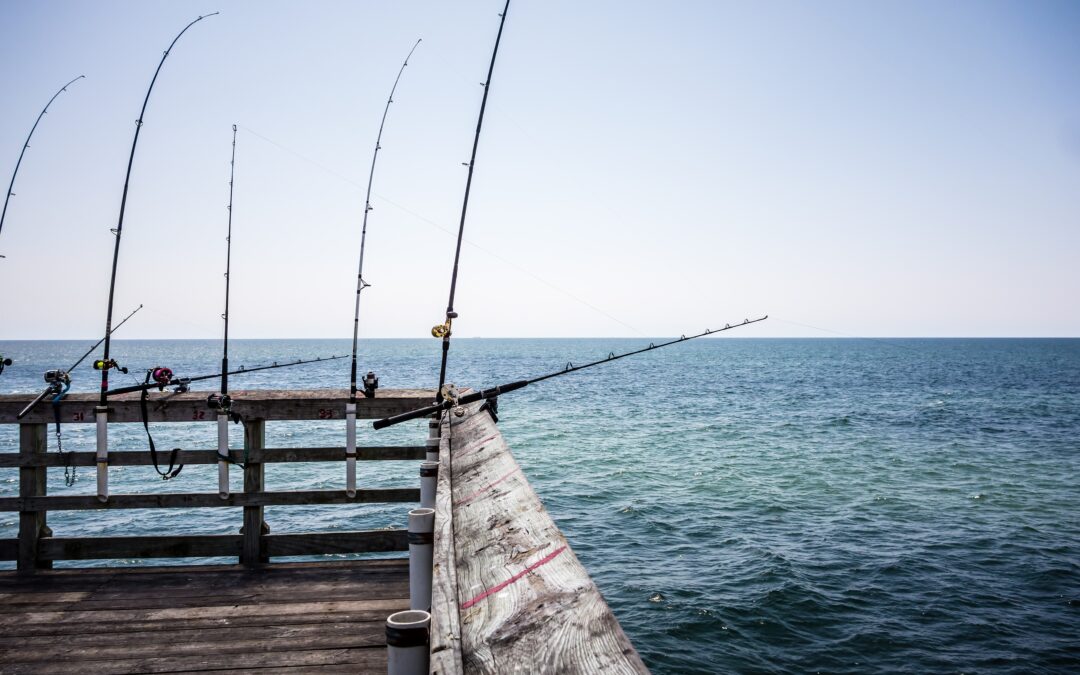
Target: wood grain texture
{"points": [[523, 596], [265, 456], [291, 618], [445, 618], [32, 483], [267, 404], [200, 500]]}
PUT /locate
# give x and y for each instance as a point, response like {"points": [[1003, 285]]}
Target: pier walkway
{"points": [[297, 617]]}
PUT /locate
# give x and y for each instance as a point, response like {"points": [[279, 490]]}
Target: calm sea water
{"points": [[745, 505]]}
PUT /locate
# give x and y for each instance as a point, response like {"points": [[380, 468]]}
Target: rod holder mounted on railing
{"points": [[421, 539], [429, 476], [407, 640]]}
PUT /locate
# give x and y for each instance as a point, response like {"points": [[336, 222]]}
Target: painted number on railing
{"points": [[326, 413], [78, 417], [198, 415]]}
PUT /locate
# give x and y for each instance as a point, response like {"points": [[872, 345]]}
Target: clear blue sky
{"points": [[878, 169]]}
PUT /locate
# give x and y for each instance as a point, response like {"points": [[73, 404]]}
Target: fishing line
{"points": [[11, 185], [847, 335], [507, 261]]}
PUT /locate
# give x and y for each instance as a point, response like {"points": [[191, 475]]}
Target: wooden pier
{"points": [[509, 593]]}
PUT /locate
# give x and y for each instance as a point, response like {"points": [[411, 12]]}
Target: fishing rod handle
{"points": [[446, 405], [411, 415], [33, 404]]}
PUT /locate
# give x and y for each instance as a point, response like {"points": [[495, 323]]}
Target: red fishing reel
{"points": [[161, 375]]}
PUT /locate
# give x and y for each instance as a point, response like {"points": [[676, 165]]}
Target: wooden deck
{"points": [[296, 617]]}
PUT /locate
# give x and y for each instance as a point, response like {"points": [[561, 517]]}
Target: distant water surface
{"points": [[745, 505]]}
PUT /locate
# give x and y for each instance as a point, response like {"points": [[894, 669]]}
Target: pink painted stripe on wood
{"points": [[498, 587], [487, 487], [479, 446]]}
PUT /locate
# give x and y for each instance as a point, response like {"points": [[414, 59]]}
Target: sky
{"points": [[645, 168]]}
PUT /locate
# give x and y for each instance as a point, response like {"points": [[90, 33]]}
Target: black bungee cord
{"points": [[11, 185], [58, 383], [371, 382], [443, 330], [490, 395], [101, 411]]}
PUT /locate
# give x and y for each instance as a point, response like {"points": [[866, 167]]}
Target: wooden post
{"points": [[253, 551], [32, 483]]}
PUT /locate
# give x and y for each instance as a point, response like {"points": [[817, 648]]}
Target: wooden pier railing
{"points": [[37, 548], [507, 590]]}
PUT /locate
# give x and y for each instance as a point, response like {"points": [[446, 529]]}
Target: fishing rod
{"points": [[11, 186], [101, 412], [58, 383], [162, 377], [452, 400], [222, 402], [371, 382], [60, 380], [443, 330]]}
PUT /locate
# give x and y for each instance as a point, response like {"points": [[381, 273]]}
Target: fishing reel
{"points": [[101, 364], [223, 404], [371, 383], [450, 393], [4, 362], [443, 329], [57, 378]]}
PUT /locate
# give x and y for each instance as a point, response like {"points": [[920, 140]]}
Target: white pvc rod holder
{"points": [[429, 476], [350, 449], [407, 640], [101, 417], [223, 456], [421, 540], [432, 442]]}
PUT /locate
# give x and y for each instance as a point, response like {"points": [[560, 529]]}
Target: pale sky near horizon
{"points": [[646, 169]]}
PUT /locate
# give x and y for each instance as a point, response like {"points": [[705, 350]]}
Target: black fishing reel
{"points": [[4, 362], [371, 383], [57, 378], [223, 404], [101, 364]]}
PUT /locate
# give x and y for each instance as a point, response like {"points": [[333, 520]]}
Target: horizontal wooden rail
{"points": [[202, 500], [209, 546], [265, 404], [262, 456]]}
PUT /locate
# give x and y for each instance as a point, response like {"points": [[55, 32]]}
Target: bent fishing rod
{"points": [[11, 186], [443, 330], [452, 400], [59, 381], [371, 383], [101, 411]]}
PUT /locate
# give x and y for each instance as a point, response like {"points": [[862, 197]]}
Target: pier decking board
{"points": [[522, 595], [302, 616]]}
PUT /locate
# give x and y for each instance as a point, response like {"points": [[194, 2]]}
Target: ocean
{"points": [[744, 505]]}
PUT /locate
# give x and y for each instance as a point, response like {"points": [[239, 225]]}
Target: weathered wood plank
{"points": [[253, 549], [445, 619], [265, 456], [210, 545], [32, 483], [319, 543], [523, 595], [201, 500], [267, 404], [273, 619]]}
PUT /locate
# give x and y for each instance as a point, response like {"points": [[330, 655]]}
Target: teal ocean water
{"points": [[745, 505]]}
